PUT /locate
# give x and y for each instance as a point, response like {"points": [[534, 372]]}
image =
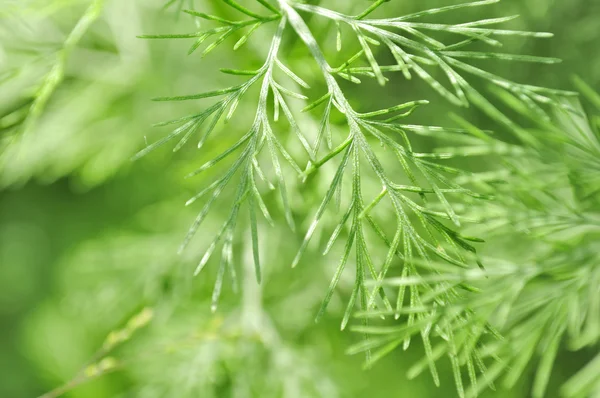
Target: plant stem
{"points": [[372, 8]]}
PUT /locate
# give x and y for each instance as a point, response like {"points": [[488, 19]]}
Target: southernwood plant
{"points": [[491, 271]]}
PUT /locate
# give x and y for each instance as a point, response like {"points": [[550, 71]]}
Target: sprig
{"points": [[408, 240], [222, 33], [411, 46], [257, 139]]}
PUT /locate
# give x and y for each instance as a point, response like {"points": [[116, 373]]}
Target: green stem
{"points": [[328, 157], [369, 10], [266, 4], [243, 9]]}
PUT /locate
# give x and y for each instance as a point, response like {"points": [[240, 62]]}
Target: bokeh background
{"points": [[88, 238]]}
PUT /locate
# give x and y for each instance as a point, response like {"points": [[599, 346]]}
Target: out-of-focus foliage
{"points": [[542, 294], [88, 240]]}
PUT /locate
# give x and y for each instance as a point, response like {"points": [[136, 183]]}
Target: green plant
{"points": [[410, 46], [408, 219]]}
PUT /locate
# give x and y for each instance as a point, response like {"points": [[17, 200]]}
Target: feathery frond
{"points": [[422, 231]]}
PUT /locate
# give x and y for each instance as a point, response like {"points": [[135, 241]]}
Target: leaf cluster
{"points": [[525, 308]]}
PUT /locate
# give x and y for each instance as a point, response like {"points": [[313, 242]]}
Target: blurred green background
{"points": [[88, 238]]}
